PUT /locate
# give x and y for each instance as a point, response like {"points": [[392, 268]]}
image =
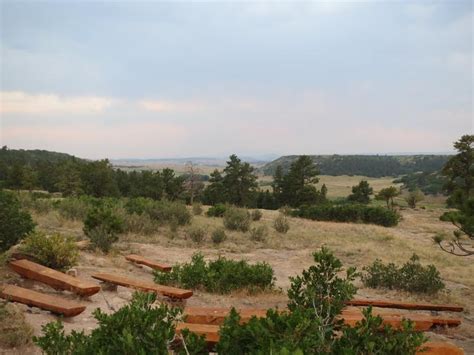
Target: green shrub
{"points": [[411, 277], [140, 224], [216, 211], [14, 330], [102, 238], [105, 218], [218, 276], [218, 236], [350, 213], [197, 209], [196, 234], [237, 219], [15, 223], [256, 215], [259, 233], [281, 224], [75, 208], [139, 205], [312, 324], [166, 211], [137, 328], [54, 251]]}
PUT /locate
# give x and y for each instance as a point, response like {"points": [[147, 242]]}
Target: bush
{"points": [[216, 211], [102, 238], [167, 211], [256, 215], [197, 209], [350, 213], [105, 218], [140, 224], [281, 224], [139, 205], [196, 234], [312, 324], [218, 236], [14, 330], [74, 208], [237, 219], [411, 277], [218, 276], [15, 223], [259, 233], [137, 328], [54, 251]]}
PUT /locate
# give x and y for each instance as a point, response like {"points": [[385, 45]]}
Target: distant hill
{"points": [[365, 165], [32, 157]]}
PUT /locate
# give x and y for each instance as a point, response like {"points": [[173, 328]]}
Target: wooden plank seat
{"points": [[422, 322], [48, 302], [404, 305], [167, 291], [150, 263], [54, 278], [211, 335]]}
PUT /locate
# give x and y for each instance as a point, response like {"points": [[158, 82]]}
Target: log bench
{"points": [[150, 263], [53, 278], [48, 302], [404, 305], [124, 281]]}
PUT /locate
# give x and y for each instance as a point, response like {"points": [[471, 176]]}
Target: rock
{"points": [[72, 272], [34, 310]]}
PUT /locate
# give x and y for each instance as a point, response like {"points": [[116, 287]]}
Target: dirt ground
{"points": [[357, 245]]}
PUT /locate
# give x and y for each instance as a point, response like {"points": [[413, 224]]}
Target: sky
{"points": [[178, 79]]}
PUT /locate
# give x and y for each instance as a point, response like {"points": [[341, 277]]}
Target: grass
{"points": [[14, 330]]}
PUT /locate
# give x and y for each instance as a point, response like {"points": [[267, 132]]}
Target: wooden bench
{"points": [[211, 335], [403, 305], [216, 316], [48, 302], [167, 291], [53, 278], [150, 263]]}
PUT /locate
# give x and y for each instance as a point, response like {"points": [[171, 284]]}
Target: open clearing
{"points": [[355, 244]]}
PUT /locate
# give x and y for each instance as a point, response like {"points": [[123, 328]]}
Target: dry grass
{"points": [[14, 330]]}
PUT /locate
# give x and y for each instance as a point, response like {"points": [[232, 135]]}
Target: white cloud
{"points": [[24, 103]]}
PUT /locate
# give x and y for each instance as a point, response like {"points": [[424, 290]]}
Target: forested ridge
{"points": [[365, 165]]}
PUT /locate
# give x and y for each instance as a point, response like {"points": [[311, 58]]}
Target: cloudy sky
{"points": [[157, 79]]}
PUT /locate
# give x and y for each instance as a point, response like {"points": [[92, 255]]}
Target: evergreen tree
{"points": [[239, 182], [388, 194], [361, 193]]}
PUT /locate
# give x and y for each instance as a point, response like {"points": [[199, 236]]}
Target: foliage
{"points": [[104, 217], [312, 324], [281, 224], [414, 197], [364, 165], [237, 219], [137, 328], [166, 211], [350, 213], [55, 251], [256, 215], [196, 234], [388, 194], [361, 193], [411, 277], [218, 276], [259, 233], [217, 210], [14, 330], [74, 208], [459, 171], [140, 224], [15, 223], [430, 183], [218, 236]]}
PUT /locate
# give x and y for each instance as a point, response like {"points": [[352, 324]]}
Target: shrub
{"points": [[73, 207], [216, 211], [197, 209], [218, 276], [140, 224], [14, 330], [105, 218], [54, 251], [256, 215], [15, 223], [218, 236], [166, 211], [312, 324], [259, 233], [138, 205], [196, 234], [137, 328], [411, 277], [281, 224], [350, 213], [102, 238], [237, 219]]}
